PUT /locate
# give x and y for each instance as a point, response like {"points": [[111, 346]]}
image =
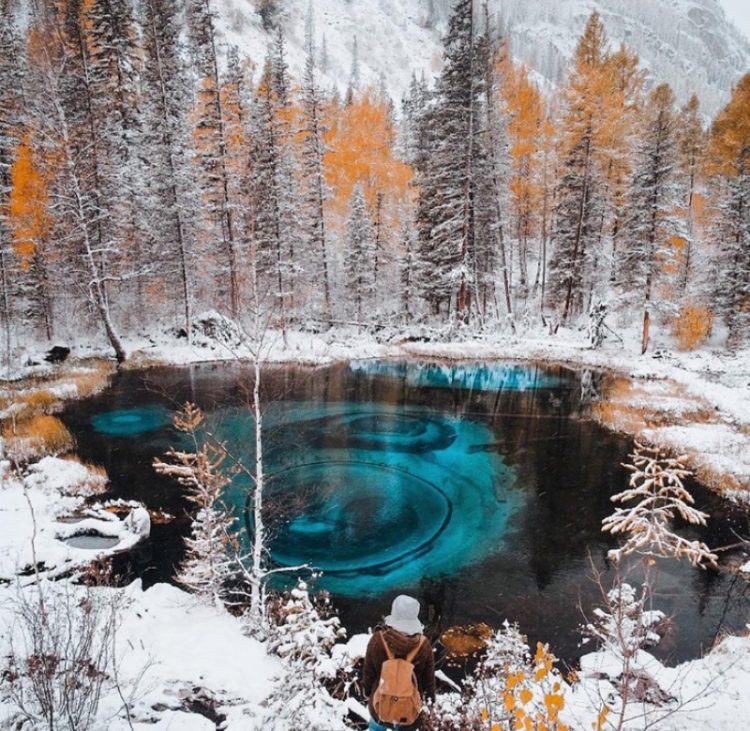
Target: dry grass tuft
{"points": [[465, 641], [721, 482], [39, 435], [40, 402], [92, 380]]}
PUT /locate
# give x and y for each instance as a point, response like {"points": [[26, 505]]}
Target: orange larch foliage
{"points": [[359, 150], [730, 133], [29, 219], [523, 106]]}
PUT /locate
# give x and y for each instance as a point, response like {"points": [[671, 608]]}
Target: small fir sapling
{"points": [[209, 561], [302, 636], [625, 625], [656, 485]]}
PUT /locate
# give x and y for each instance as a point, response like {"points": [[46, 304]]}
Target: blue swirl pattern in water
{"points": [[376, 496], [131, 422]]}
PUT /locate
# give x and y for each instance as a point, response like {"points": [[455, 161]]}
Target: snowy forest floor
{"points": [[183, 665]]}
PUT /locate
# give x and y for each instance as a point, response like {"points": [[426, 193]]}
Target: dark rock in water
{"points": [[58, 354]]}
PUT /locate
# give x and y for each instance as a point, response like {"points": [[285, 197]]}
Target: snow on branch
{"points": [[659, 495]]}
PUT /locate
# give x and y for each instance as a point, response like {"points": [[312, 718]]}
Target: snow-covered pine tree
{"points": [[407, 273], [237, 100], [730, 152], [203, 472], [314, 185], [166, 95], [59, 75], [110, 33], [274, 188], [10, 113], [359, 257], [491, 172], [620, 106], [210, 143], [303, 639], [653, 224], [413, 107], [691, 142], [446, 215]]}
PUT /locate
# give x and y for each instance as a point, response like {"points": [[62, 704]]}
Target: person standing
{"points": [[399, 670]]}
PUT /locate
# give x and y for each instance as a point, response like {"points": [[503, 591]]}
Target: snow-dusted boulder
{"points": [[138, 522]]}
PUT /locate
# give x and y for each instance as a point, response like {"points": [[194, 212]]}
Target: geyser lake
{"points": [[479, 488]]}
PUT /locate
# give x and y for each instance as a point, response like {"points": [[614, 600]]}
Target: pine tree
{"points": [[652, 225], [62, 108], [10, 112], [165, 129], [730, 152], [313, 175], [580, 194], [303, 636], [211, 153], [359, 256], [493, 173], [407, 274], [205, 475], [691, 145], [447, 182], [111, 56], [523, 106], [621, 107], [274, 187]]}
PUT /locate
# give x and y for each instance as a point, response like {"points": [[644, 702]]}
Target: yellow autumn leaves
{"points": [[532, 699]]}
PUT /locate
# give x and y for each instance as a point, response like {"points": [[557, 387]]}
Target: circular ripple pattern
{"points": [[380, 430], [130, 422], [347, 517], [376, 496]]}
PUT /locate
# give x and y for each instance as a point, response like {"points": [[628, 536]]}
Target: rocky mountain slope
{"points": [[689, 43]]}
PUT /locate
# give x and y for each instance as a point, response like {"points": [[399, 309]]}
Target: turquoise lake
{"points": [[478, 488]]}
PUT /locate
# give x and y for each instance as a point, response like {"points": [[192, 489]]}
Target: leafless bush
{"points": [[60, 655]]}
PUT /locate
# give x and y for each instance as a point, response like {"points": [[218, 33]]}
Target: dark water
{"points": [[480, 489]]}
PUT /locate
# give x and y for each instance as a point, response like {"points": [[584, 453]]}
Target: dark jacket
{"points": [[400, 645]]}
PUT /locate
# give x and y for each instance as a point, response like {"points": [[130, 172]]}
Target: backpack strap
{"points": [[410, 657], [387, 649]]}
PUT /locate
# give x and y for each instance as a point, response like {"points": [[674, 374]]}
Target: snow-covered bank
{"points": [[43, 508]]}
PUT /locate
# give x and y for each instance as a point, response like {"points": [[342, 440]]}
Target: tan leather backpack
{"points": [[396, 699]]}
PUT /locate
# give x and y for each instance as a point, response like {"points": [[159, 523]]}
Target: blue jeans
{"points": [[375, 726]]}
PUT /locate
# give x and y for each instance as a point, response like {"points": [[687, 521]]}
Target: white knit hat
{"points": [[404, 615]]}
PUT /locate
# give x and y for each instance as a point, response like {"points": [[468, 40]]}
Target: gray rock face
{"points": [[688, 43]]}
